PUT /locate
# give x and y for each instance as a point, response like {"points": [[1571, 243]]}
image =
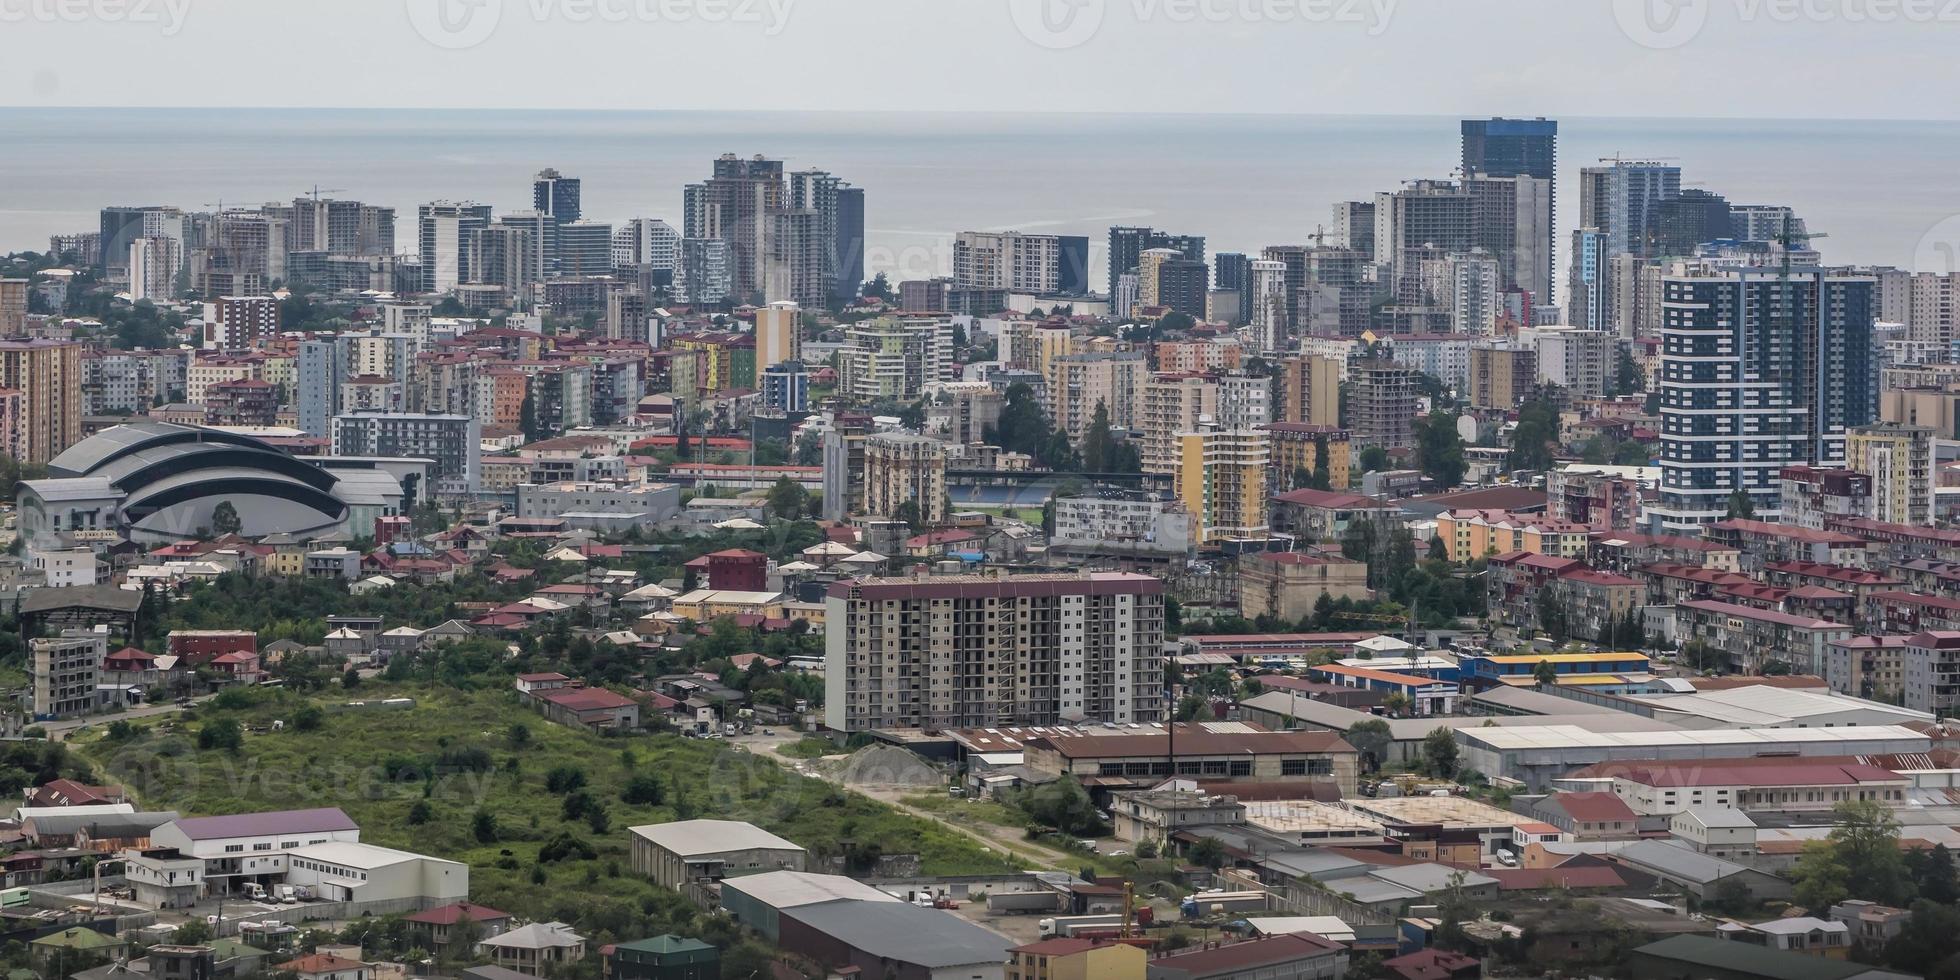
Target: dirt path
{"points": [[1006, 841]]}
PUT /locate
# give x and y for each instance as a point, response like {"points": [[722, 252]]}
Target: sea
{"points": [[1884, 192]]}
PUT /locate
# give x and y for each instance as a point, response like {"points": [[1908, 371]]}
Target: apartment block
{"points": [[970, 651], [901, 468]]}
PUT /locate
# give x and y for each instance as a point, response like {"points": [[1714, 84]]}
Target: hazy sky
{"points": [[1790, 58]]}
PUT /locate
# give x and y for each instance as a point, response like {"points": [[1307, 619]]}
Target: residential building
{"points": [[1078, 383], [734, 205], [1076, 959], [662, 958], [1299, 447], [894, 359], [1173, 404], [1867, 666], [1621, 199], [1287, 584], [1221, 478], [1092, 657], [1382, 404], [1811, 496], [778, 334], [1931, 662], [1502, 376], [1748, 639], [452, 442], [1310, 391], [1579, 361], [1899, 460], [66, 670], [446, 230], [48, 373], [1807, 334], [903, 468], [535, 949], [1109, 521], [1008, 260], [1471, 534]]}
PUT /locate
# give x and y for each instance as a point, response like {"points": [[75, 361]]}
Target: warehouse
{"points": [[894, 941], [756, 900], [685, 852], [1536, 755], [340, 871]]}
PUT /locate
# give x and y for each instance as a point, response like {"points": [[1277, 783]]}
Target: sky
{"points": [[1652, 58]]}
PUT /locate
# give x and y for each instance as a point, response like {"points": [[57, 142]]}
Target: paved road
{"points": [[60, 730]]}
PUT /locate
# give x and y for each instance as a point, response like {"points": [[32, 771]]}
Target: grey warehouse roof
{"points": [[906, 933]]}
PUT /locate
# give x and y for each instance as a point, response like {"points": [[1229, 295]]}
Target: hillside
{"points": [[420, 779]]}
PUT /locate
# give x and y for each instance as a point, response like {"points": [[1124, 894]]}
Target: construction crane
{"points": [[318, 190]]}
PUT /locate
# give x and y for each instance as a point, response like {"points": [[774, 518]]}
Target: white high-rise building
{"points": [[1476, 293], [1007, 260], [1269, 316], [646, 241], [153, 267]]}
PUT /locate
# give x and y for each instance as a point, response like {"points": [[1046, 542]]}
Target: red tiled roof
{"points": [[1790, 531], [1430, 964], [1766, 771], [319, 963], [1331, 500], [1526, 879], [1236, 957], [1592, 807], [449, 915], [586, 699]]}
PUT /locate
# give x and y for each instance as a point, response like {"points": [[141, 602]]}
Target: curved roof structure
{"points": [[170, 476]]}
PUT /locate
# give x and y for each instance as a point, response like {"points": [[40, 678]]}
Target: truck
{"points": [[1067, 925], [1017, 903], [1206, 904], [254, 890], [288, 895]]}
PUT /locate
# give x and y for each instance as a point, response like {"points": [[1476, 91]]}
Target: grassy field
{"points": [[416, 779]]}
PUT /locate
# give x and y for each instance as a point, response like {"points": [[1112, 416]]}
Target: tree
{"points": [[527, 417], [1438, 551], [1373, 459], [1933, 874], [220, 733], [225, 519], [420, 813], [1098, 445], [483, 826], [1209, 853], [1371, 740], [1552, 617], [809, 449], [1063, 805], [1439, 449], [880, 287], [643, 789], [788, 500], [519, 735], [909, 514], [1322, 476], [308, 718], [1859, 859], [1741, 505], [1439, 753], [1536, 437], [1545, 675]]}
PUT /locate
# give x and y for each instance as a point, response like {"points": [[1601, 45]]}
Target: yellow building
{"points": [[1221, 478], [1310, 391], [1296, 446], [706, 605], [1173, 404], [1899, 459], [48, 374], [1471, 534], [1075, 959]]}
